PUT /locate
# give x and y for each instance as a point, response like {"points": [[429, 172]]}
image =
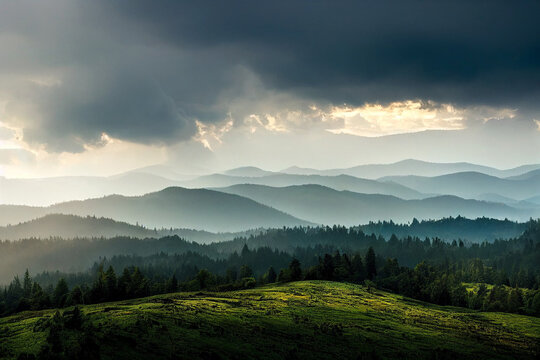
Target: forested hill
{"points": [[306, 243], [473, 230], [72, 226]]}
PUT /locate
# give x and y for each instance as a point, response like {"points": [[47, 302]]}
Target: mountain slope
{"points": [[320, 204], [301, 320], [198, 209], [340, 182], [472, 184]]}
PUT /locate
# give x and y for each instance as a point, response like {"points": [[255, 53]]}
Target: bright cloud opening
{"points": [[397, 117]]}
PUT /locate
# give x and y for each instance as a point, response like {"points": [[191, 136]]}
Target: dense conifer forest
{"points": [[503, 275]]}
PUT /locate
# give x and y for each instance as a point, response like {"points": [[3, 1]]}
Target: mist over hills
{"points": [[469, 230], [91, 227], [361, 179], [198, 209], [412, 167], [474, 184], [324, 205], [73, 226], [250, 171], [47, 191], [80, 252], [339, 182]]}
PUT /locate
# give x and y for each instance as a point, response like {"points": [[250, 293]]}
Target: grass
{"points": [[310, 319]]}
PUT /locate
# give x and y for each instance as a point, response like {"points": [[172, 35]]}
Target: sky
{"points": [[101, 87]]}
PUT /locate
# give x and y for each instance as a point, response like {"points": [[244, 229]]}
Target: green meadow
{"points": [[301, 320]]}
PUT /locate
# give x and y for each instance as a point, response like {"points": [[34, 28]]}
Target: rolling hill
{"points": [[198, 209], [340, 182], [301, 320], [473, 184], [324, 205]]}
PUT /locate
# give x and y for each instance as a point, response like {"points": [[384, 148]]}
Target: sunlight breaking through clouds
{"points": [[209, 135], [397, 118], [369, 120]]}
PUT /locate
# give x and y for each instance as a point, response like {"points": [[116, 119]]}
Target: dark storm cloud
{"points": [[145, 70], [466, 51], [122, 105]]}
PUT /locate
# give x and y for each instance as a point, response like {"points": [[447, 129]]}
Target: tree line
{"points": [[432, 270], [436, 283]]}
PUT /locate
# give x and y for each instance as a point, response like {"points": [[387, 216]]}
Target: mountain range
{"points": [[473, 184], [249, 206], [339, 182], [413, 167], [198, 209], [403, 179], [324, 205]]}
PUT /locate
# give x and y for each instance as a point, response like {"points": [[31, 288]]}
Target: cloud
{"points": [[16, 157], [159, 74], [6, 134], [209, 134], [118, 103], [397, 118], [356, 52]]}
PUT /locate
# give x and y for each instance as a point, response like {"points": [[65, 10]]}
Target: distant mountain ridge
{"points": [[324, 205], [339, 182], [362, 179], [413, 167], [472, 184], [198, 209], [249, 171]]}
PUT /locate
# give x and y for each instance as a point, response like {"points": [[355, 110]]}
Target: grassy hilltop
{"points": [[310, 319]]}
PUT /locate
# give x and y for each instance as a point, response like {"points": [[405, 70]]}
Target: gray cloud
{"points": [[144, 72]]}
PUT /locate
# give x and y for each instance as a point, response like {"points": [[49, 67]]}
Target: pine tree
{"points": [[245, 271], [271, 275], [124, 284], [60, 293], [295, 271], [110, 284], [371, 267], [76, 296], [172, 284], [231, 274], [27, 285], [515, 300]]}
